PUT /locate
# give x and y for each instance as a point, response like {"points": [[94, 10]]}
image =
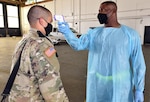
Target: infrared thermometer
{"points": [[59, 18]]}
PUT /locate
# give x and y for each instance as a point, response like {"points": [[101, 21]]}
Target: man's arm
{"points": [[46, 70], [81, 43], [139, 68]]}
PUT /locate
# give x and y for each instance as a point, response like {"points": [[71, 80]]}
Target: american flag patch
{"points": [[50, 51]]}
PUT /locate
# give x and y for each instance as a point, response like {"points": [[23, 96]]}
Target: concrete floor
{"points": [[73, 68]]}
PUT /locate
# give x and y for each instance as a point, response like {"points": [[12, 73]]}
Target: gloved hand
{"points": [[63, 27], [139, 97]]}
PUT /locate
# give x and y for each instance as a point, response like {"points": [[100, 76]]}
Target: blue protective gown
{"points": [[115, 63]]}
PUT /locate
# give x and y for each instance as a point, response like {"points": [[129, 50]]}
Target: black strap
{"points": [[42, 35], [11, 79]]}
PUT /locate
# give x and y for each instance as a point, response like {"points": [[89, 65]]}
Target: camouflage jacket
{"points": [[38, 78]]}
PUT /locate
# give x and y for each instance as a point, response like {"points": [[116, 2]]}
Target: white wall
{"points": [[82, 14], [134, 13]]}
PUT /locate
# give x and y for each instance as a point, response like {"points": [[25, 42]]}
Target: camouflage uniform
{"points": [[38, 78]]}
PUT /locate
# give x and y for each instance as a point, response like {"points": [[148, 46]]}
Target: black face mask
{"points": [[48, 29], [102, 18]]}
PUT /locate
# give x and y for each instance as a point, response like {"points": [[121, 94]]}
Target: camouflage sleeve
{"points": [[46, 69]]}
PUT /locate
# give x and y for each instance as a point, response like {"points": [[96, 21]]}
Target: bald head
{"points": [[36, 12], [112, 5]]}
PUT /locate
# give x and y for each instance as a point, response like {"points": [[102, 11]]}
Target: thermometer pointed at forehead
{"points": [[59, 18]]}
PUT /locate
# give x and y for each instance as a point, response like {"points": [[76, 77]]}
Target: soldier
{"points": [[38, 78]]}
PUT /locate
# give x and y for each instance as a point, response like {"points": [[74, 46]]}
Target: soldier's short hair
{"points": [[36, 12]]}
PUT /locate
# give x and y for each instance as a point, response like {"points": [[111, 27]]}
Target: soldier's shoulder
{"points": [[39, 44], [38, 41]]}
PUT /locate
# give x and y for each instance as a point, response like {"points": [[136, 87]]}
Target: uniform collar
{"points": [[33, 32]]}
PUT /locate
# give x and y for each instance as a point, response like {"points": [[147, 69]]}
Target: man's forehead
{"points": [[106, 6]]}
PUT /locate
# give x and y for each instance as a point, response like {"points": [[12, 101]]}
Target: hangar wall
{"points": [[82, 14]]}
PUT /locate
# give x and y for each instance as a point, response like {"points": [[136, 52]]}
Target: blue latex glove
{"points": [[139, 97], [63, 27]]}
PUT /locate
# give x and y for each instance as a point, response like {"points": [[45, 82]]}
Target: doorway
{"points": [[147, 35]]}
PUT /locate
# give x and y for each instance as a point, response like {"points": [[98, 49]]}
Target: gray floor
{"points": [[73, 68]]}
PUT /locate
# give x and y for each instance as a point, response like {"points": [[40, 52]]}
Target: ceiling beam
{"points": [[22, 2], [37, 2], [11, 2]]}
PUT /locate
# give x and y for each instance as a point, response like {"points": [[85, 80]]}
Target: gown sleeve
{"points": [[81, 43], [138, 63]]}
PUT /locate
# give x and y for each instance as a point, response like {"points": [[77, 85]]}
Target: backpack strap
{"points": [[12, 76]]}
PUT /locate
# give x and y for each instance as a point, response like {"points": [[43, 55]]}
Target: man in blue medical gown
{"points": [[116, 66]]}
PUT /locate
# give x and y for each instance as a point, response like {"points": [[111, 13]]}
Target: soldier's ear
{"points": [[42, 22]]}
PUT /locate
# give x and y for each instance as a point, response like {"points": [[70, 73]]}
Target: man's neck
{"points": [[115, 25]]}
